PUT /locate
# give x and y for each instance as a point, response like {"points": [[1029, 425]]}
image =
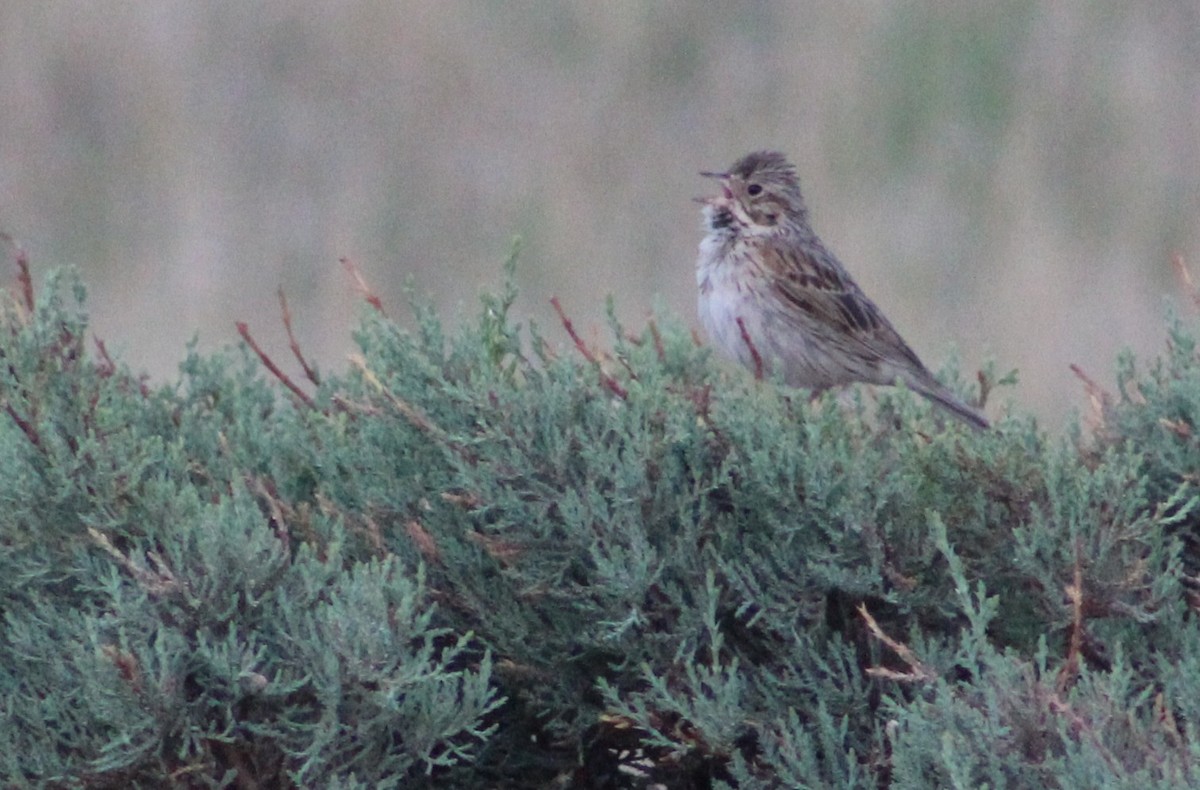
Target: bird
{"points": [[773, 297]]}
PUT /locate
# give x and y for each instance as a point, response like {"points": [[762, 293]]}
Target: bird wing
{"points": [[815, 284]]}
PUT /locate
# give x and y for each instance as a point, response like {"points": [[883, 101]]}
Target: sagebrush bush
{"points": [[480, 558]]}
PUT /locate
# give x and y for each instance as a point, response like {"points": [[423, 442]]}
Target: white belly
{"points": [[804, 359]]}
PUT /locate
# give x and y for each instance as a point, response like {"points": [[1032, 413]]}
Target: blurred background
{"points": [[1007, 179]]}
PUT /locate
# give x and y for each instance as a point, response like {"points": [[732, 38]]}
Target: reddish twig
{"points": [[360, 284], [375, 535], [570, 327], [608, 381], [1074, 590], [1185, 278], [1089, 384], [424, 542], [701, 398], [503, 551], [270, 365], [1177, 427], [106, 367], [985, 388], [270, 495], [754, 355], [466, 500], [658, 342], [26, 427], [126, 664], [308, 369], [1096, 395], [917, 672], [24, 279]]}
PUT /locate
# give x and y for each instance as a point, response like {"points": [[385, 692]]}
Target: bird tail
{"points": [[944, 398]]}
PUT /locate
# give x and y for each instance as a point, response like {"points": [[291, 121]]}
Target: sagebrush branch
{"points": [[610, 383], [269, 364]]}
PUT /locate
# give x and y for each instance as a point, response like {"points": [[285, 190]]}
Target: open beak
{"points": [[724, 186]]}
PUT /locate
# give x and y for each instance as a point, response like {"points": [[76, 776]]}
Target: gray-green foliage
{"points": [[479, 559]]}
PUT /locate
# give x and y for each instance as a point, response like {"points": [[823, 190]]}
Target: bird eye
{"points": [[753, 189]]}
